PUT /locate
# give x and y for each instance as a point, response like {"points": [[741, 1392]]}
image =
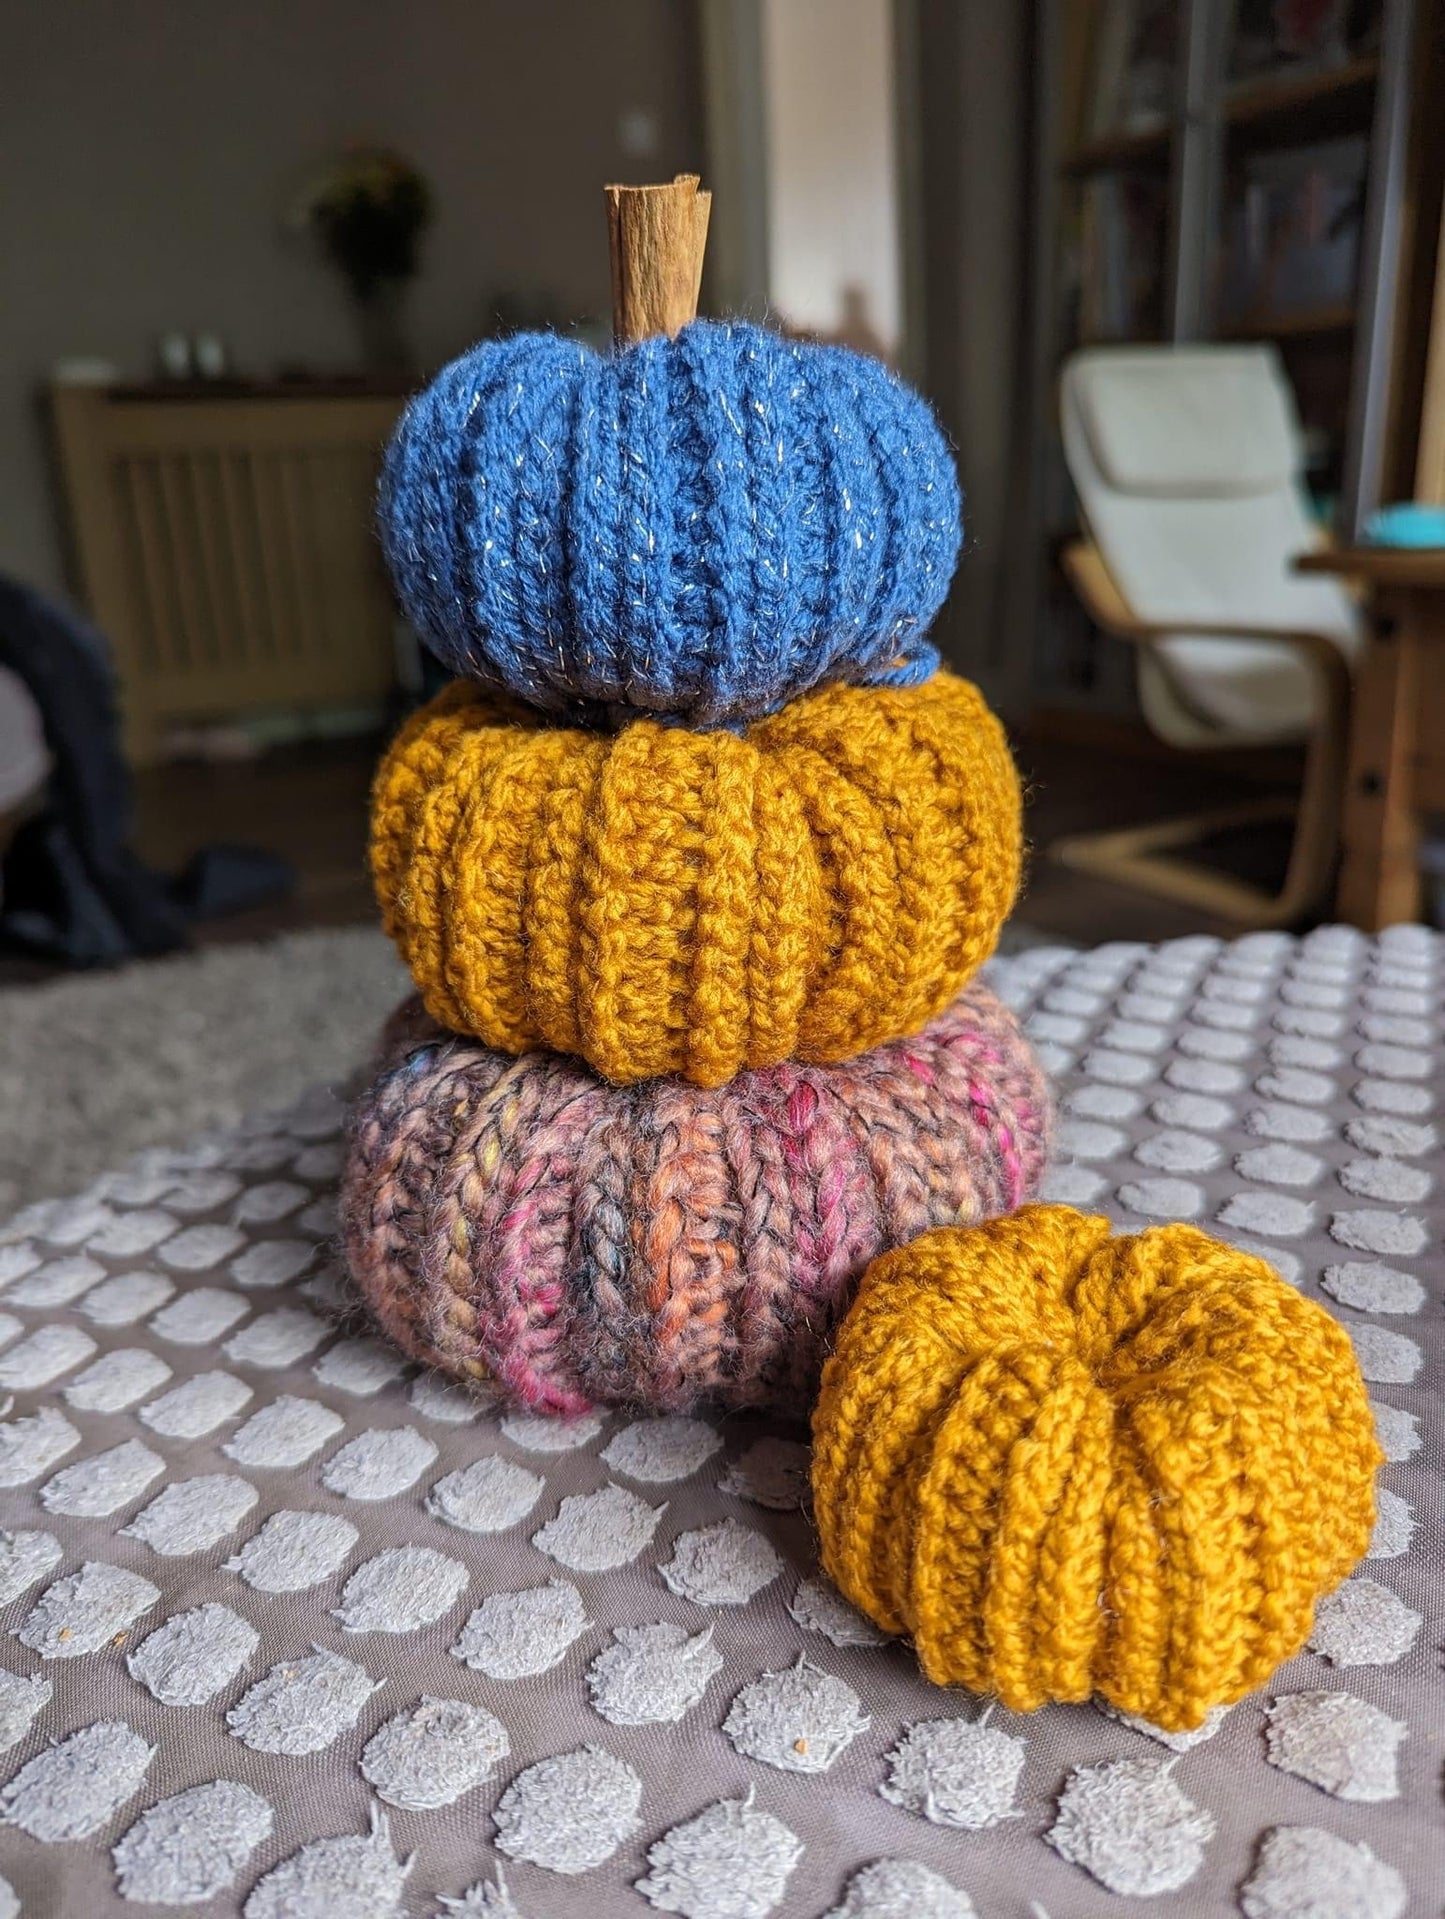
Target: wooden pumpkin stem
{"points": [[657, 237]]}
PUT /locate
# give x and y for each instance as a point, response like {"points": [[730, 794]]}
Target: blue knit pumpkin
{"points": [[701, 528]]}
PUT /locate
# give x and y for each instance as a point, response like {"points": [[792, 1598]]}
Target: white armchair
{"points": [[1186, 461]]}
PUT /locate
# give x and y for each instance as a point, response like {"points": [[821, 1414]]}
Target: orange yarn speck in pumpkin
{"points": [[664, 901], [1068, 1463]]}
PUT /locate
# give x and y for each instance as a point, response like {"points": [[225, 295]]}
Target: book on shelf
{"points": [[1133, 67], [1291, 234], [1275, 39], [1120, 257]]}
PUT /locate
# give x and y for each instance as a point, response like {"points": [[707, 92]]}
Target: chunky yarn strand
{"points": [[661, 1244], [701, 528], [1070, 1463], [667, 902]]}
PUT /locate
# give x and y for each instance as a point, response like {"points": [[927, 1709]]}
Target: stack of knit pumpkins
{"points": [[694, 867]]}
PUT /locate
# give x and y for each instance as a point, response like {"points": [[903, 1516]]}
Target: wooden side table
{"points": [[1396, 769]]}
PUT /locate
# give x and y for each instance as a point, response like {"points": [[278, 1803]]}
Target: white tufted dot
{"points": [[102, 1483], [721, 1565], [798, 1720], [1396, 1097], [486, 1497], [818, 1606], [1316, 1054], [1090, 1100], [277, 1338], [535, 1433], [302, 1705], [1272, 1214], [432, 1753], [360, 1366], [1372, 1288], [86, 1611], [295, 1550], [58, 1283], [594, 1532], [70, 1790], [127, 1235], [1279, 1165], [657, 1451], [1337, 1742], [1131, 1827], [1177, 1151], [730, 1862], [1294, 1084], [651, 1675], [1162, 1198], [193, 1846], [1066, 1185], [1193, 1111], [1072, 1003], [334, 1878], [1223, 1017], [21, 1700], [1313, 993], [1394, 1062], [1387, 1136], [116, 1380], [772, 1473], [1134, 1036], [448, 1403], [1088, 1139], [1175, 1741], [199, 1191], [1386, 1358], [191, 1515], [401, 1590], [288, 1432], [194, 1655], [1304, 1873], [901, 1889], [955, 1772], [1394, 1525], [126, 1298], [569, 1813], [1059, 1028], [1395, 1031], [1362, 1623], [515, 1635], [378, 1464], [1207, 1043], [25, 1556], [1398, 1234], [32, 1445], [1280, 1120], [196, 1407], [44, 1356], [1117, 1069], [1397, 1431], [1390, 1180], [271, 1262], [1203, 1076], [199, 1316], [196, 1249]]}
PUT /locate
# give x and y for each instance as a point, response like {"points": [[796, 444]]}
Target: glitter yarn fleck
{"points": [[1066, 1462], [662, 1244], [702, 528], [665, 901]]}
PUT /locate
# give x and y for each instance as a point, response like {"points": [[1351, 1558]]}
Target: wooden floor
{"points": [[308, 803]]}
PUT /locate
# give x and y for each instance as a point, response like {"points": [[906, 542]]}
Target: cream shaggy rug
{"points": [[94, 1066]]}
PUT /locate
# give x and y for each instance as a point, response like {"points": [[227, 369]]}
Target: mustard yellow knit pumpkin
{"points": [[665, 901], [1068, 1463]]}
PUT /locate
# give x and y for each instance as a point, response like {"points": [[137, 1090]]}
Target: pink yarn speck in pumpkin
{"points": [[661, 1244]]}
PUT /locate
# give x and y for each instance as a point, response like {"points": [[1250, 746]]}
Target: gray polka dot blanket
{"points": [[292, 1629]]}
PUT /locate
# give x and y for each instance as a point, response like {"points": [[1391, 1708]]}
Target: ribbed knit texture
{"points": [[1068, 1463], [661, 1244], [663, 901], [703, 527]]}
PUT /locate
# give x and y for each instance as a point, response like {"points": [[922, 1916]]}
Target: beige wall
{"points": [[147, 148]]}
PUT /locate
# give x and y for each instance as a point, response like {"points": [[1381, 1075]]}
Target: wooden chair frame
{"points": [[1140, 856]]}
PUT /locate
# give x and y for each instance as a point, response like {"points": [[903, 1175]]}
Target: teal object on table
{"points": [[1410, 523]]}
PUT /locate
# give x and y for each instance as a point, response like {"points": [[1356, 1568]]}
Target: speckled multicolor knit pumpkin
{"points": [[1066, 1462], [663, 901], [660, 1244]]}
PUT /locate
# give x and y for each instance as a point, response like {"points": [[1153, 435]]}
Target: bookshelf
{"points": [[1194, 181]]}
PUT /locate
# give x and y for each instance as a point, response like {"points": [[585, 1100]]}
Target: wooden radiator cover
{"points": [[225, 546]]}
